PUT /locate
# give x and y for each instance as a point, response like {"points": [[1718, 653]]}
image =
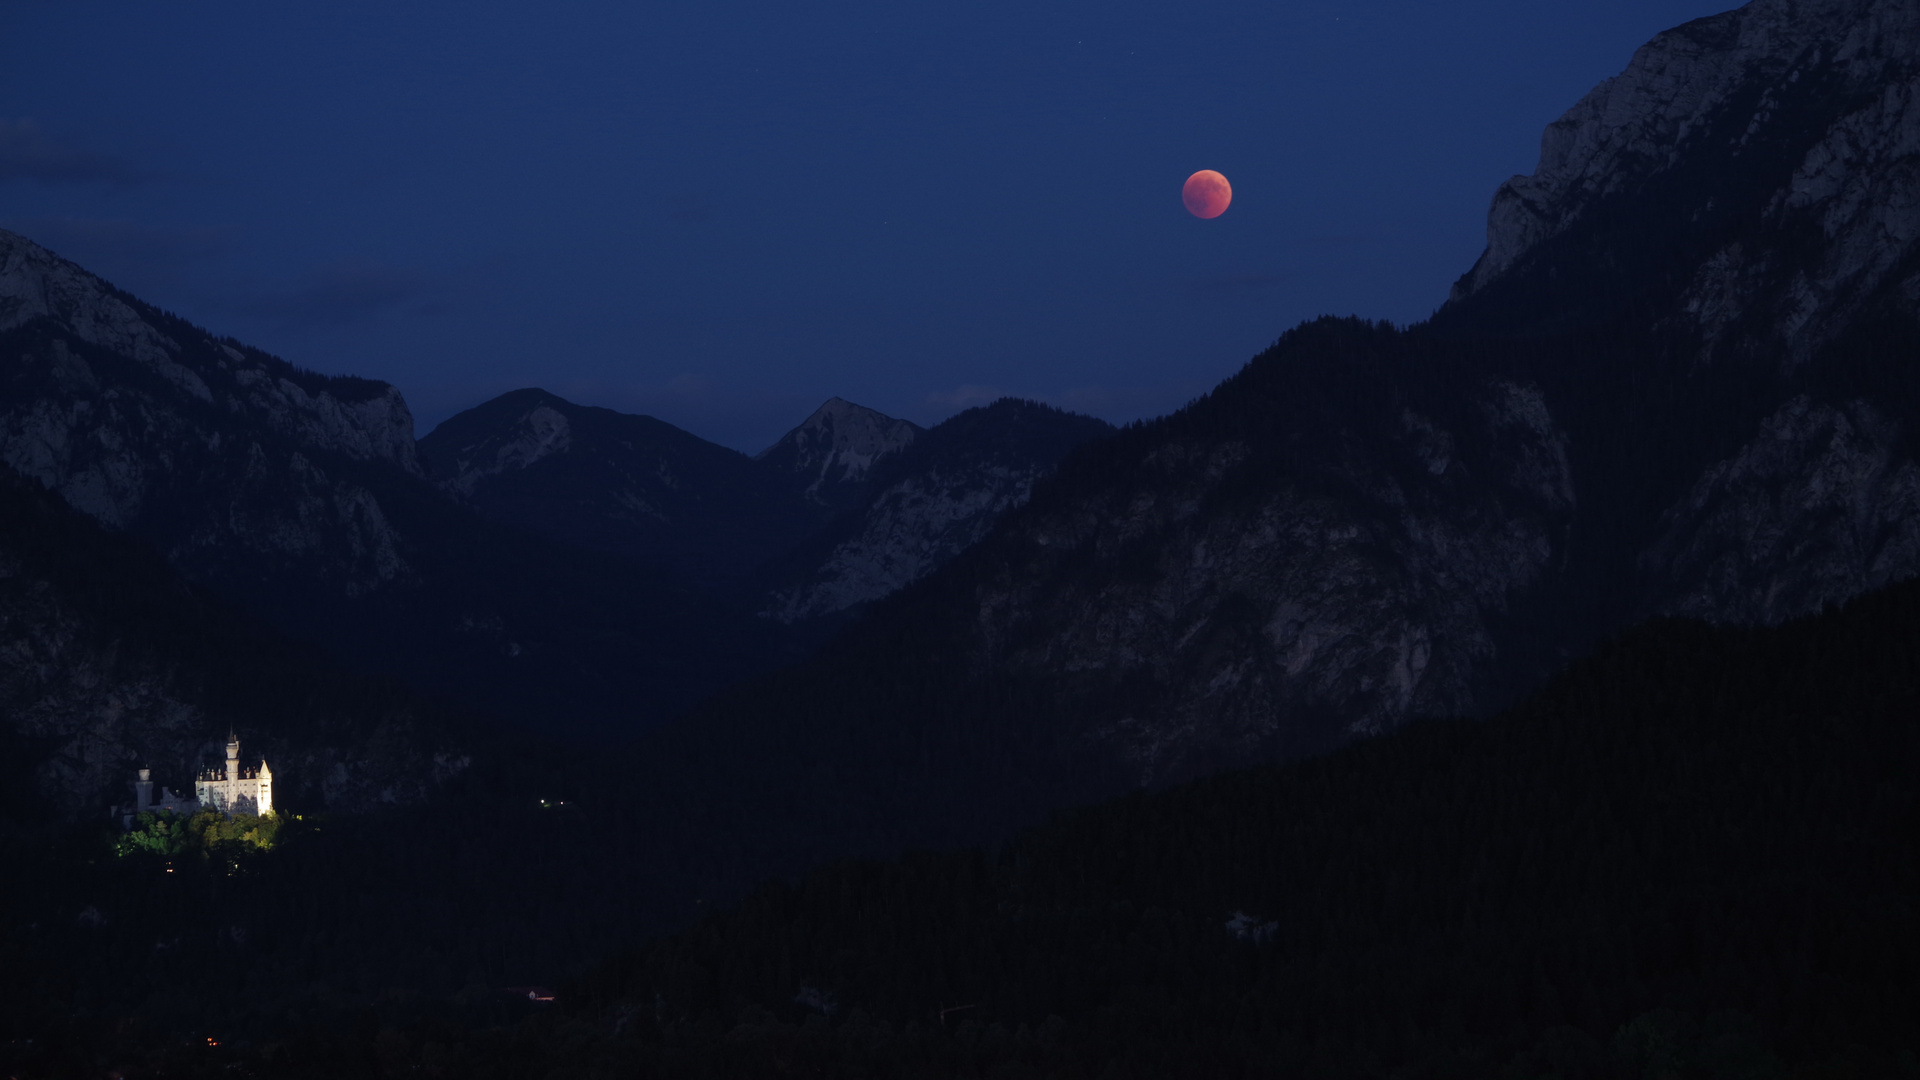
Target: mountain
{"points": [[300, 498], [1369, 524], [844, 509], [1729, 224], [110, 662], [616, 482], [928, 502], [1692, 854], [833, 453]]}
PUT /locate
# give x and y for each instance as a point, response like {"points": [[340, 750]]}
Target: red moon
{"points": [[1206, 194]]}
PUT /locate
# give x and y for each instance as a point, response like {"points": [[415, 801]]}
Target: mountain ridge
{"points": [[300, 498]]}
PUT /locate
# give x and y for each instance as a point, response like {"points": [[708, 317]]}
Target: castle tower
{"points": [[233, 757], [263, 795], [143, 792]]}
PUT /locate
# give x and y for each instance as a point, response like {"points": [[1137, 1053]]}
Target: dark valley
{"points": [[1527, 691]]}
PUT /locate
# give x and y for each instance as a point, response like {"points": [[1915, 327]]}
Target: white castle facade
{"points": [[233, 790]]}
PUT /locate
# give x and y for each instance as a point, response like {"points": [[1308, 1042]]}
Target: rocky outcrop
{"points": [[932, 500], [908, 529], [1823, 505], [1739, 213], [111, 403], [835, 450], [357, 418], [1284, 566], [539, 431], [1810, 100]]}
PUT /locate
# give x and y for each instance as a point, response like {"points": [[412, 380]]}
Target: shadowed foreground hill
{"points": [[1695, 850], [1692, 855]]}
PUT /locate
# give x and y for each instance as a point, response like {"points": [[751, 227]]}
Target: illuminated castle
{"points": [[231, 791]]}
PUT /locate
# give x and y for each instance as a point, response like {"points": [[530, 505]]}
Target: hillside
{"points": [[109, 662], [634, 485], [1692, 854], [1697, 820], [300, 499], [1371, 524]]}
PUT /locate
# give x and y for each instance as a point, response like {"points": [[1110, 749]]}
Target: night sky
{"points": [[721, 213]]}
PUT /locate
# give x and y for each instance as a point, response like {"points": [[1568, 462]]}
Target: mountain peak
{"points": [[509, 432], [71, 334], [1781, 120], [838, 446], [36, 283]]}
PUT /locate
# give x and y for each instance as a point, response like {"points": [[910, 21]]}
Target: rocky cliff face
{"points": [[833, 453], [1783, 134], [1740, 212], [1823, 504], [111, 403], [1286, 565], [931, 500]]}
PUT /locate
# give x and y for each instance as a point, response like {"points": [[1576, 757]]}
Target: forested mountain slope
{"points": [[1718, 823], [1692, 854], [612, 481], [1370, 523], [925, 504], [1719, 262], [110, 662]]}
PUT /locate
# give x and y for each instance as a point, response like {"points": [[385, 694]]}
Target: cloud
{"points": [[344, 292], [27, 153]]}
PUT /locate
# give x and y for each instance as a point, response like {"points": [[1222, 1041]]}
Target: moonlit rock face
{"points": [[839, 445], [1681, 85]]}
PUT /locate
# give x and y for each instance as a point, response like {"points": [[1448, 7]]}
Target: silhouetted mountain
{"points": [[846, 508], [616, 482], [299, 497], [927, 503]]}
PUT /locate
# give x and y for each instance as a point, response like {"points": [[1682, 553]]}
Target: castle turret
{"points": [[233, 757], [263, 797], [143, 792]]}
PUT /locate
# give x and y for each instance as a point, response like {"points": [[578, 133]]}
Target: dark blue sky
{"points": [[721, 213]]}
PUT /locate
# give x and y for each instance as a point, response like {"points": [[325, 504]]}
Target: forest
{"points": [[1692, 854]]}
